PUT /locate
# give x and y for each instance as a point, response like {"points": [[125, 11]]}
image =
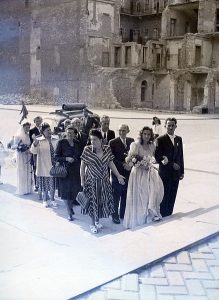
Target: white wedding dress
{"points": [[24, 175], [145, 190]]}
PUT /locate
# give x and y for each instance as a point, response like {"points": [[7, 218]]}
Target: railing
{"points": [[142, 12]]}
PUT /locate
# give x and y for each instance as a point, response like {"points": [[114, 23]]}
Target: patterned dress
{"points": [[97, 182], [48, 184]]}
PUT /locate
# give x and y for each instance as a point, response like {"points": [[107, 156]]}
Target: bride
{"points": [[145, 187], [22, 144]]}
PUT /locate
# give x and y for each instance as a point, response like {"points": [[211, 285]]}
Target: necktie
{"points": [[104, 135], [124, 142]]}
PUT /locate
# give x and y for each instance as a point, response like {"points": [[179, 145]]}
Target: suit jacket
{"points": [[87, 125], [109, 136], [82, 138], [32, 131], [120, 152], [174, 153]]}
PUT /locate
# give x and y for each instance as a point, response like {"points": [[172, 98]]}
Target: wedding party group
{"points": [[134, 182]]}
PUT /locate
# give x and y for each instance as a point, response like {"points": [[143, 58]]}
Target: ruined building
{"points": [[160, 54]]}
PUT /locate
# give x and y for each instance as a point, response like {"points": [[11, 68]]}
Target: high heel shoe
{"points": [[93, 229], [98, 225]]}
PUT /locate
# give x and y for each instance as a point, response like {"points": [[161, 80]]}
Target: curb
{"points": [[128, 118]]}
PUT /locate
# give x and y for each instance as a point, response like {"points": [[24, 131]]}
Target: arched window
{"points": [[144, 86]]}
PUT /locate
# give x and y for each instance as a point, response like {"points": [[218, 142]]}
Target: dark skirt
{"points": [[71, 184]]}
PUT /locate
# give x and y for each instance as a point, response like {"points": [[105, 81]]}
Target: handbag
{"points": [[58, 171], [83, 200]]}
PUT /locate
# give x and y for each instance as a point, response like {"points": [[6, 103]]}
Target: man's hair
{"points": [[38, 118], [171, 119], [124, 125], [104, 117]]}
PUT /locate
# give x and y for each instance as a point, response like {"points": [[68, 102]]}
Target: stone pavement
{"points": [[188, 275]]}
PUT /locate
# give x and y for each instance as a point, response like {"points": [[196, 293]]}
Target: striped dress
{"points": [[97, 182]]}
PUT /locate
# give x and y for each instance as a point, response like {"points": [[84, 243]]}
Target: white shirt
{"points": [[123, 141], [172, 137]]}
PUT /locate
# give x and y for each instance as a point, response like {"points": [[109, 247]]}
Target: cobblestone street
{"points": [[188, 275]]}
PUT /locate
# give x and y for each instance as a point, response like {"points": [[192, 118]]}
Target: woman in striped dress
{"points": [[96, 160]]}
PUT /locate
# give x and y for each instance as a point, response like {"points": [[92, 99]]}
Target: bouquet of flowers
{"points": [[140, 161], [22, 147]]}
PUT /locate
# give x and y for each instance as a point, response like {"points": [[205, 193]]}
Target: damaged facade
{"points": [[160, 54]]}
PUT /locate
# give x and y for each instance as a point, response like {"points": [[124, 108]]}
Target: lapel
{"points": [[176, 145], [169, 140], [122, 144]]}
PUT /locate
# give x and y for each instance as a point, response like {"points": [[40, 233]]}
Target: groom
{"points": [[169, 155]]}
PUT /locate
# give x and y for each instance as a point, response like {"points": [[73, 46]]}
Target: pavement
{"points": [[46, 257], [187, 275]]}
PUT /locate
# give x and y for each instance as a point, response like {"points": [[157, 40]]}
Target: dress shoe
{"points": [[70, 218], [116, 220], [45, 204]]}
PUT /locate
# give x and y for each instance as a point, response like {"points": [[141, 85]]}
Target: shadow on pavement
{"points": [[202, 171], [8, 188]]}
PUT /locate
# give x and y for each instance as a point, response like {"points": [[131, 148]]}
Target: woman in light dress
{"points": [[44, 146], [24, 175], [156, 126], [145, 187]]}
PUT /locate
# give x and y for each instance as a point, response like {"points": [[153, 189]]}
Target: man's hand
{"points": [[70, 159], [176, 166], [35, 141], [165, 160]]}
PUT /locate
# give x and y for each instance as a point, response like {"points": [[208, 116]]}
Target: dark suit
{"points": [[120, 152], [82, 138], [109, 136], [169, 176], [36, 132], [87, 124], [32, 131]]}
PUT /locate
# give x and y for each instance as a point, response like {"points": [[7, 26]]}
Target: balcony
{"points": [[136, 12]]}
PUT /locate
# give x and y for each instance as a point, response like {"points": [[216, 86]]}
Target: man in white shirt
{"points": [[107, 133]]}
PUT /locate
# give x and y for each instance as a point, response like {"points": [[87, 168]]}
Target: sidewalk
{"points": [[189, 274], [43, 256], [47, 257]]}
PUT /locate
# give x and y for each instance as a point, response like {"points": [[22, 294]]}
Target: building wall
{"points": [[14, 47]]}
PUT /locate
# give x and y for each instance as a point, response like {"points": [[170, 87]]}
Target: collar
{"points": [[123, 140], [42, 138], [172, 137]]}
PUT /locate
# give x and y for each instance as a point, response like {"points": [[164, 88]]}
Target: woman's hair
{"points": [[26, 123], [71, 127], [141, 133], [154, 120], [96, 132], [44, 126]]}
